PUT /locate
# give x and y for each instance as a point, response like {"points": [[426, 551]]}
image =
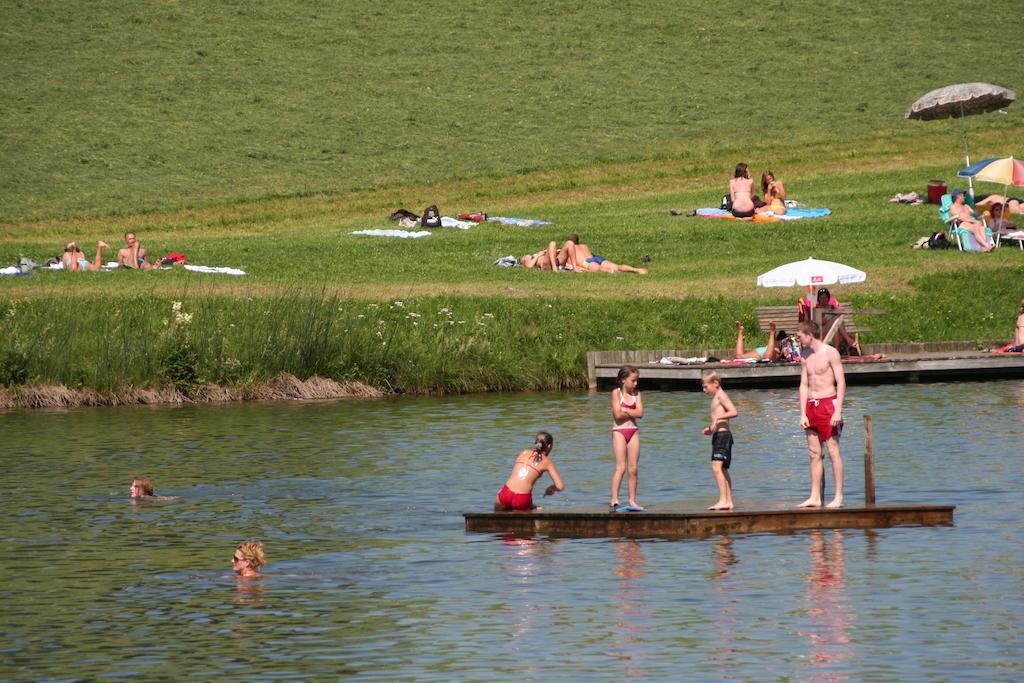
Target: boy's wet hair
{"points": [[709, 376], [810, 327], [145, 484]]}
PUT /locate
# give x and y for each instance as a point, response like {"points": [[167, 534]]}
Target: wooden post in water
{"points": [[869, 463]]}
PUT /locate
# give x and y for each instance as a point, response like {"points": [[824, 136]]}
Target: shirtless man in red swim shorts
{"points": [[822, 390], [517, 493]]}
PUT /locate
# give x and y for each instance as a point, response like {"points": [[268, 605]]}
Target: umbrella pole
{"points": [[967, 154]]}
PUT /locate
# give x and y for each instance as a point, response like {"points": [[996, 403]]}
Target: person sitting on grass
{"points": [[774, 193], [964, 217], [771, 352], [578, 257], [133, 255], [74, 260]]}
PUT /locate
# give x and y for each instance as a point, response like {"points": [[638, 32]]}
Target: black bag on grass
{"points": [[938, 241], [431, 217]]}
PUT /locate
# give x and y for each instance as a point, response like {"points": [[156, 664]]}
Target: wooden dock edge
{"points": [[701, 524]]}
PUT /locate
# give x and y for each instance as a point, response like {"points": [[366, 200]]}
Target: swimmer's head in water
{"points": [[141, 486], [250, 554]]}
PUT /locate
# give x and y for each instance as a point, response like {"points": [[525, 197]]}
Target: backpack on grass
{"points": [[431, 217], [938, 240]]}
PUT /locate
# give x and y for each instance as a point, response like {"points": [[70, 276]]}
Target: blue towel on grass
{"points": [[521, 222]]}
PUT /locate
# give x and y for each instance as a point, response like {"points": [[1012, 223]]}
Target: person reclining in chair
{"points": [[964, 217]]}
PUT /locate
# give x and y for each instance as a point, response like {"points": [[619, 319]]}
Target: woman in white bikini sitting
{"points": [[741, 192]]}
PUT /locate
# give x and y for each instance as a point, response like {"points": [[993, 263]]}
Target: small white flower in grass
{"points": [[371, 305], [400, 304], [451, 322], [415, 323], [176, 306], [462, 322], [620, 338], [414, 315], [444, 310], [488, 315], [380, 322], [361, 316]]}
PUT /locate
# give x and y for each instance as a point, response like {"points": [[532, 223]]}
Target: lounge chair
{"points": [[964, 239]]}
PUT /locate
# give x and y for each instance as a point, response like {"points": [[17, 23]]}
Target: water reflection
{"points": [[723, 560], [249, 590], [828, 606], [630, 607]]}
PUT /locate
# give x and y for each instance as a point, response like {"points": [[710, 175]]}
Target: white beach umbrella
{"points": [[811, 273]]}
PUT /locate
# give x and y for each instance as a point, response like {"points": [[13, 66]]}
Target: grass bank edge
{"points": [[221, 348]]}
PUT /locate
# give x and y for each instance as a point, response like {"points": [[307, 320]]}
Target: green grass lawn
{"points": [[260, 135]]}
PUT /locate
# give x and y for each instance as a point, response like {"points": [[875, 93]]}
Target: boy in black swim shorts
{"points": [[722, 410]]}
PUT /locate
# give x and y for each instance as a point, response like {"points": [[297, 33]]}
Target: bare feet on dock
{"points": [[810, 503], [836, 503], [637, 505], [720, 505]]}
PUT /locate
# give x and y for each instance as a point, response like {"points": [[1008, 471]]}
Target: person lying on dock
{"points": [[722, 410], [772, 352], [530, 465]]}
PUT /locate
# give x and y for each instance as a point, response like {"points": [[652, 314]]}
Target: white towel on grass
{"points": [[222, 270], [393, 233], [449, 222]]}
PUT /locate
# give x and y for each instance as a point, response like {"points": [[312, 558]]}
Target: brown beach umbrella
{"points": [[958, 102]]}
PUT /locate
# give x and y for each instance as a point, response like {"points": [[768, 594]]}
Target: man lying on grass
{"points": [[576, 257]]}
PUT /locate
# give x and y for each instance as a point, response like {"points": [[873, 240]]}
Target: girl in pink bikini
{"points": [[627, 408]]}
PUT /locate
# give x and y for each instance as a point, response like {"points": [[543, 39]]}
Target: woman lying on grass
{"points": [[73, 258]]}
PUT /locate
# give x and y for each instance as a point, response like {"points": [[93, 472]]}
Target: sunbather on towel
{"points": [[1014, 204], [74, 259], [544, 259], [741, 192], [968, 220], [770, 352], [579, 258], [774, 193], [133, 255]]}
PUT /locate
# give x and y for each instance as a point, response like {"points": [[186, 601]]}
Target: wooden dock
{"points": [[679, 520], [670, 522], [902, 363]]}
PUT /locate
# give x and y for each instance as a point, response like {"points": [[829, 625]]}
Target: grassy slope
{"points": [[261, 135]]}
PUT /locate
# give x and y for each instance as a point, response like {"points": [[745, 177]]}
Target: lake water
{"points": [[370, 573]]}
